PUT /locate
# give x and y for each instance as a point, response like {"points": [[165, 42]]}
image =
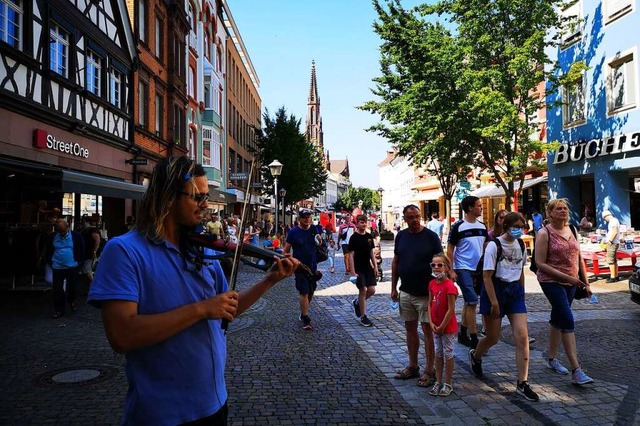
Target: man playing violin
{"points": [[164, 312]]}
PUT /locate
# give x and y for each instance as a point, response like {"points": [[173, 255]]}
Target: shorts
{"points": [[465, 282], [413, 307], [304, 285], [345, 248], [366, 278], [510, 298], [612, 248], [444, 344], [560, 297]]}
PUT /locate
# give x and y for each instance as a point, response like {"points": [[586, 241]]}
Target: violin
{"points": [[253, 256]]}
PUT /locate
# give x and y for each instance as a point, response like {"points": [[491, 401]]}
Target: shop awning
{"points": [[433, 194], [222, 197], [83, 183], [494, 191]]}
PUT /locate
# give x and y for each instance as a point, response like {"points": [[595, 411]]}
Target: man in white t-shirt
{"points": [[612, 240], [466, 244]]}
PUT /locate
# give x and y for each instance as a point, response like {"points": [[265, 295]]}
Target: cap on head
{"points": [[606, 213], [305, 212]]}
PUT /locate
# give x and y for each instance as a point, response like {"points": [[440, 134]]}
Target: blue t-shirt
{"points": [[436, 226], [304, 245], [182, 378], [63, 252], [537, 221], [414, 252]]}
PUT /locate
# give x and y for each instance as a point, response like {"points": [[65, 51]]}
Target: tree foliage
{"points": [[349, 200], [449, 100], [303, 172]]}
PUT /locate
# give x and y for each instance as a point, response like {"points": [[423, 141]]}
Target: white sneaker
{"points": [[579, 378], [555, 365]]}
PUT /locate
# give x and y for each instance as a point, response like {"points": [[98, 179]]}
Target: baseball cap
{"points": [[305, 212], [606, 213]]}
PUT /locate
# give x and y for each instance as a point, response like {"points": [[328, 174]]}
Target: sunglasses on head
{"points": [[437, 265]]}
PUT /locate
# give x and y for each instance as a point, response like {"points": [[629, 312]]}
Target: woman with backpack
{"points": [[503, 294]]}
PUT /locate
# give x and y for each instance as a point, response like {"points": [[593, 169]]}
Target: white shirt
{"points": [[613, 222], [512, 262], [468, 239]]}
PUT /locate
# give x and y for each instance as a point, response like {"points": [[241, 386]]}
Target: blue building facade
{"points": [[596, 116]]}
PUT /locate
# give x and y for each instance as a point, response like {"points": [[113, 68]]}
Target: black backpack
{"points": [[532, 266]]}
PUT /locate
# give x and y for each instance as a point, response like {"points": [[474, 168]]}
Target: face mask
{"points": [[515, 232], [438, 275]]}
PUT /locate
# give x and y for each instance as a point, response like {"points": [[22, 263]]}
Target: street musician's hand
{"points": [[222, 306], [282, 268]]}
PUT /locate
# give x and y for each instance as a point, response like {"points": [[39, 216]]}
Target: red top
{"points": [[275, 243], [440, 303], [562, 255]]}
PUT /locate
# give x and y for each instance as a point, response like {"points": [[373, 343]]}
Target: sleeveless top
{"points": [[562, 255]]}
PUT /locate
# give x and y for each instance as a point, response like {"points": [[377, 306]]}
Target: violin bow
{"points": [[233, 279]]}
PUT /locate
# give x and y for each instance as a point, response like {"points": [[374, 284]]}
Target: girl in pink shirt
{"points": [[442, 318]]}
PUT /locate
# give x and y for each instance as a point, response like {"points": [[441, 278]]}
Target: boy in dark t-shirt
{"points": [[361, 262]]}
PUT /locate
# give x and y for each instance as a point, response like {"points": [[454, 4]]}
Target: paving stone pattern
{"points": [[338, 373]]}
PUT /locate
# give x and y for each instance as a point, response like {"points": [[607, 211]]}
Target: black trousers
{"points": [[219, 418], [60, 297]]}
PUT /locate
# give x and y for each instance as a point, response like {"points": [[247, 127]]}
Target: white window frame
{"points": [[568, 109], [142, 20], [13, 38], [626, 62], [615, 9], [207, 146], [574, 29], [115, 88], [59, 45], [93, 71]]}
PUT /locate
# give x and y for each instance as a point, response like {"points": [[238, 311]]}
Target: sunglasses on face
{"points": [[437, 265], [198, 198]]}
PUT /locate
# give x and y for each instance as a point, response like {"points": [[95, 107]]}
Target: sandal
{"points": [[445, 390], [427, 379], [435, 390], [407, 373]]}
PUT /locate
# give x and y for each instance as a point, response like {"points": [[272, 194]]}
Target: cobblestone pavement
{"points": [[64, 372]]}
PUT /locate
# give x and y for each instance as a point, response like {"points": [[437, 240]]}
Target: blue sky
{"points": [[282, 37]]}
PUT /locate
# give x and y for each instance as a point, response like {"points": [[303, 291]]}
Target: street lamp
{"points": [[380, 192], [282, 193], [276, 169]]}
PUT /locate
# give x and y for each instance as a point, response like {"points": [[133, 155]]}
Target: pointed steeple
{"points": [[314, 120], [313, 86]]}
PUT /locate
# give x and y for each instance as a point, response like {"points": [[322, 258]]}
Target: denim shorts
{"points": [[560, 297], [465, 282], [304, 285], [510, 298]]}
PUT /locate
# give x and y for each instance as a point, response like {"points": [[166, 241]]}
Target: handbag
{"points": [[581, 293], [322, 251]]}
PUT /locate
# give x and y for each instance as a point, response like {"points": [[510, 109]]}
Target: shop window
{"points": [[622, 84], [11, 22], [614, 9], [115, 88], [59, 50], [93, 73], [572, 22], [573, 103]]}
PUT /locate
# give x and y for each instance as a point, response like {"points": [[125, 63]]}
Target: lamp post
{"points": [[282, 193], [380, 192], [276, 169]]}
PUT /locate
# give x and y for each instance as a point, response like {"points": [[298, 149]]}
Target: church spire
{"points": [[314, 120]]}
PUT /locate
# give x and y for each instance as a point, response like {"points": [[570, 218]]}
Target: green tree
{"points": [[303, 172], [450, 100], [350, 199]]}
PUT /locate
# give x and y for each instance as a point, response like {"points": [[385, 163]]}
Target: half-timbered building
{"points": [[66, 119]]}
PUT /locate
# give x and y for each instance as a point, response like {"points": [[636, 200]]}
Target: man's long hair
{"points": [[170, 176]]}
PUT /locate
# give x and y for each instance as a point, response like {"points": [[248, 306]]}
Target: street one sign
{"points": [[238, 176], [136, 161]]}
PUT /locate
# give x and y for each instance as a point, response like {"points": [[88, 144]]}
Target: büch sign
{"points": [[585, 150], [41, 139]]}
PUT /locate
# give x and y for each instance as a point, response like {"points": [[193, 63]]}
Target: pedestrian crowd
{"points": [[163, 307]]}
